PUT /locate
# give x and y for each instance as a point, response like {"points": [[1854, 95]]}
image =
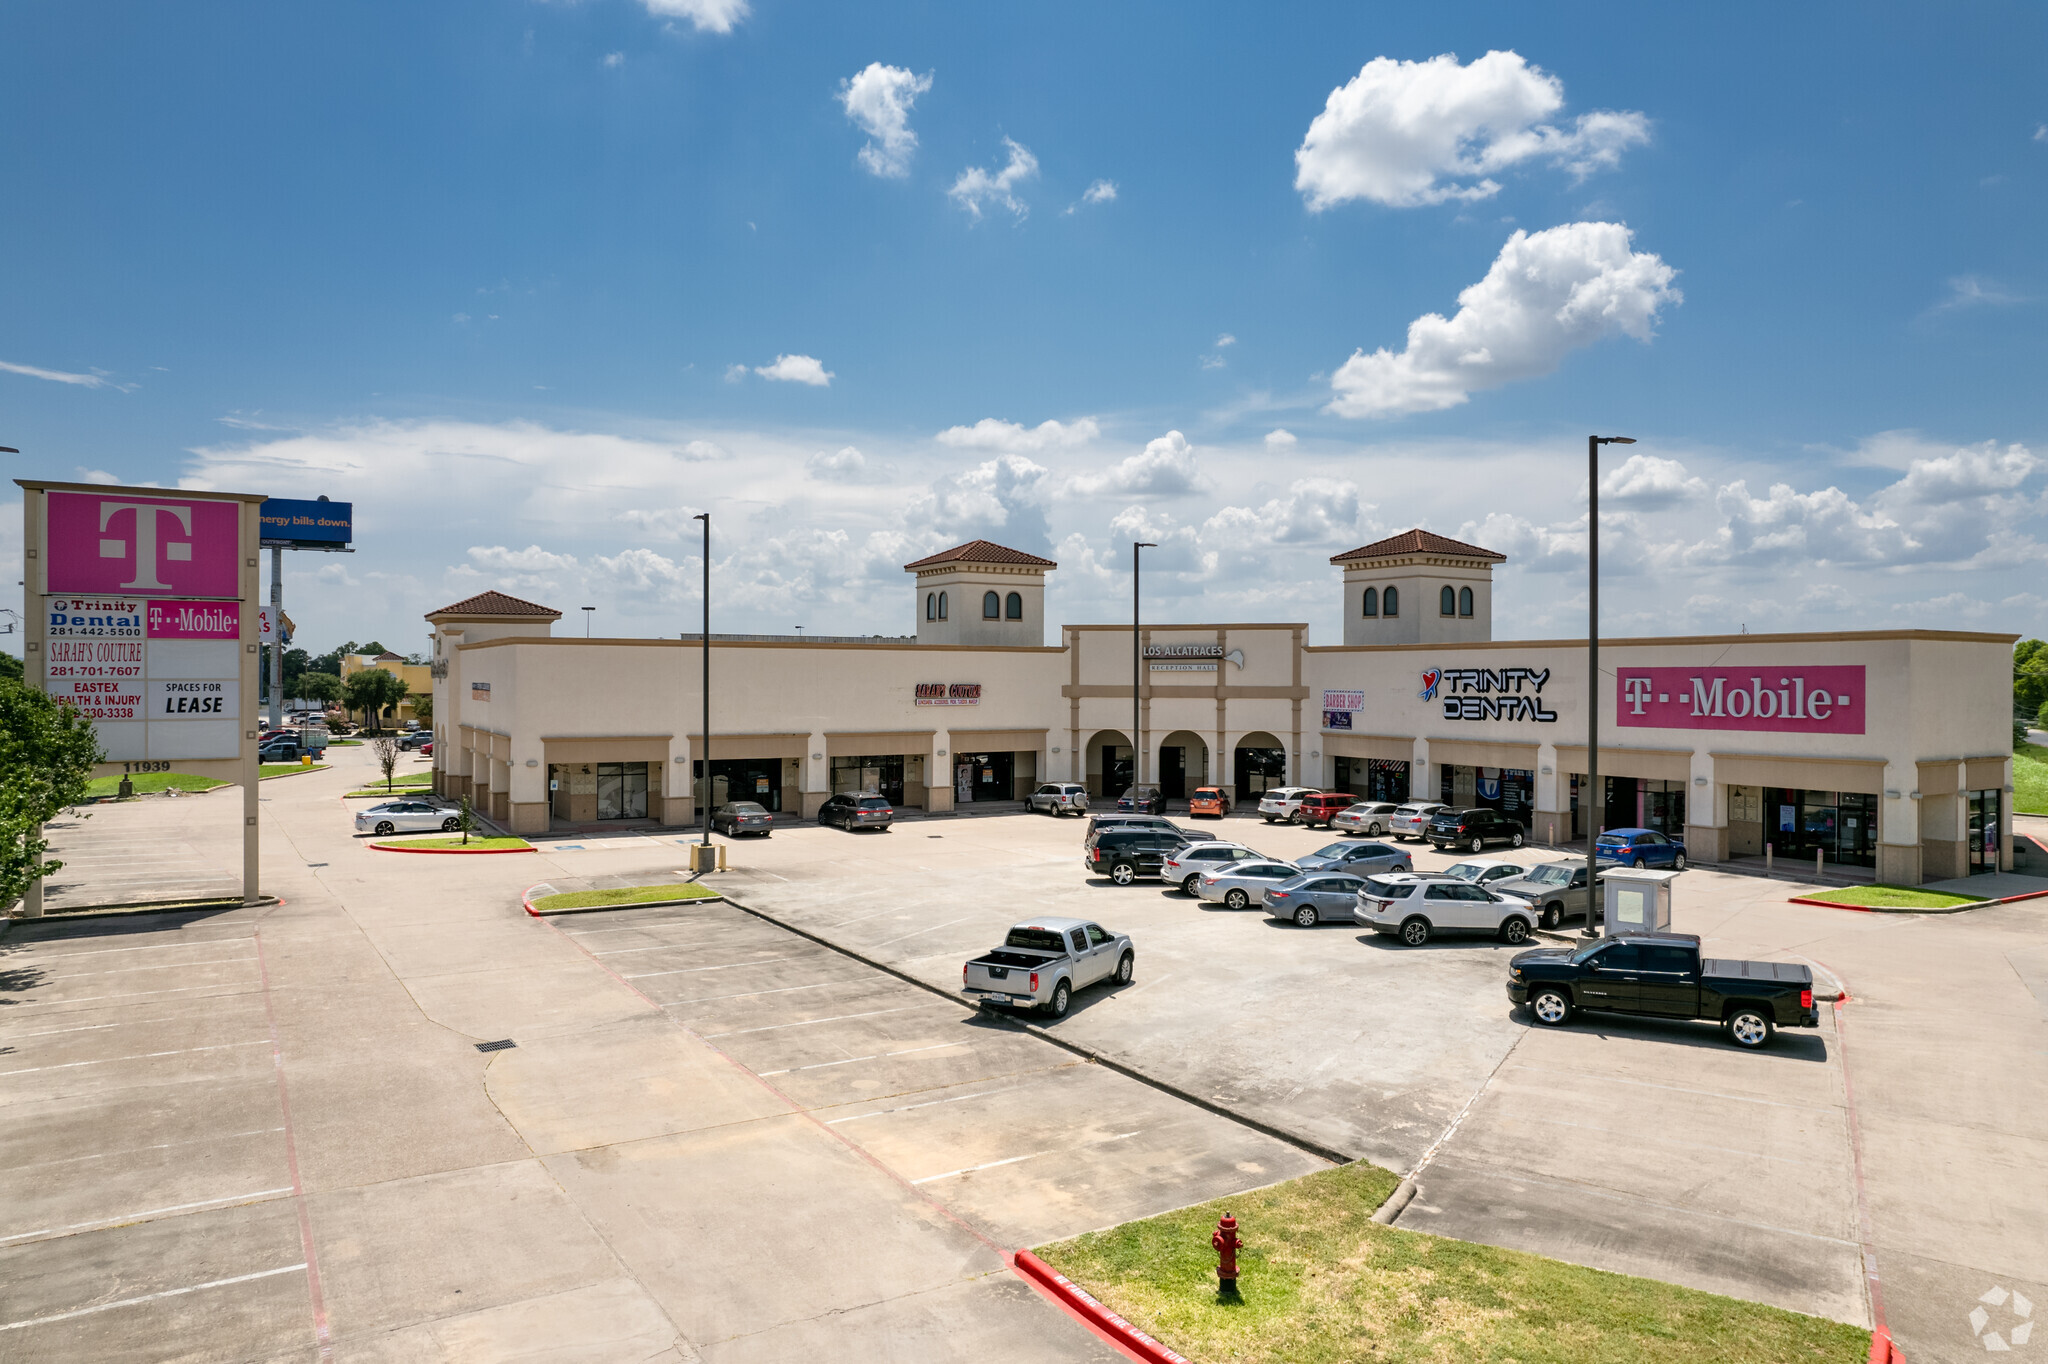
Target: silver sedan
{"points": [[1315, 897], [405, 816], [1237, 887], [1359, 858], [1372, 818]]}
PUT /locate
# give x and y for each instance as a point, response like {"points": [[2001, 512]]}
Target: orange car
{"points": [[1212, 801]]}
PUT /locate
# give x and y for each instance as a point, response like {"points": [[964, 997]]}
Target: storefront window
{"points": [[983, 776], [1985, 811], [1510, 790], [622, 790], [880, 774], [1259, 770], [755, 779], [1839, 825]]}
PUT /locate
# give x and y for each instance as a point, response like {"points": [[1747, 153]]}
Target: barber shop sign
{"points": [[1811, 699]]}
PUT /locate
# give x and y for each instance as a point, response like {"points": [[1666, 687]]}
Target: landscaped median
{"points": [[454, 844], [402, 787], [1906, 899], [551, 901], [1319, 1281], [270, 770], [151, 784]]}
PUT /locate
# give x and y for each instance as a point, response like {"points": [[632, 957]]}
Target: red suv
{"points": [[1322, 807]]}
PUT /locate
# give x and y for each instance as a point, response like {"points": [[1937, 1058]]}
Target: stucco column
{"points": [[677, 805], [816, 774], [1899, 860], [1419, 784], [939, 764], [1706, 811], [528, 794], [1548, 820]]}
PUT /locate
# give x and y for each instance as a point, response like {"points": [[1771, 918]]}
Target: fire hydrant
{"points": [[1224, 1239]]}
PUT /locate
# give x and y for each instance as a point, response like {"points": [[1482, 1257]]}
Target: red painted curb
{"points": [[1883, 1349], [1083, 1304], [452, 852]]}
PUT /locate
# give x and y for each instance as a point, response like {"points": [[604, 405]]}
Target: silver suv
{"points": [[1416, 906], [1059, 798]]}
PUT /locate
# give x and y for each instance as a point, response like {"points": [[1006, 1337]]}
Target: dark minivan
{"points": [[1472, 830], [1124, 854], [852, 812]]}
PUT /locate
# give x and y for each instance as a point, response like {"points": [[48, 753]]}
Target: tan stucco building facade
{"points": [[1884, 750]]}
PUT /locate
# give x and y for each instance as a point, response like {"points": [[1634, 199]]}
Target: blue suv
{"points": [[1639, 848]]}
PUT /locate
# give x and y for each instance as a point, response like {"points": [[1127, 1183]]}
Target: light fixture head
{"points": [[1615, 440]]}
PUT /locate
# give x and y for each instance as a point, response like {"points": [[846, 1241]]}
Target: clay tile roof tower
{"points": [[1418, 587], [980, 593]]}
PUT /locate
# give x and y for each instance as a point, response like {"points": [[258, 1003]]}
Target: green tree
{"points": [[423, 706], [10, 668], [385, 751], [2029, 676], [373, 692], [296, 661], [321, 687], [47, 752]]}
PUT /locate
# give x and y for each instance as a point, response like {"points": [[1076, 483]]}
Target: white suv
{"points": [[1415, 906], [1059, 798], [1280, 802], [1189, 863], [1412, 819]]}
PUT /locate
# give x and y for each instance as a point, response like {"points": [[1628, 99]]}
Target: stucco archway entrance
{"points": [[1261, 763], [1183, 764], [1109, 763]]}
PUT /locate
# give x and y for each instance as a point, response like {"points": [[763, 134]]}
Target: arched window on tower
{"points": [[1390, 602], [1447, 601], [1464, 601], [1372, 601], [991, 606], [942, 606], [1014, 606], [931, 606]]}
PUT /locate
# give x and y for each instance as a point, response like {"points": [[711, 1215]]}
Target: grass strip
{"points": [[1894, 897], [629, 895], [1319, 1283], [475, 844], [270, 770], [2030, 779], [152, 783]]}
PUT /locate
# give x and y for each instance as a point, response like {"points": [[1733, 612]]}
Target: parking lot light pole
{"points": [[1137, 665], [1595, 913], [704, 793], [586, 620]]}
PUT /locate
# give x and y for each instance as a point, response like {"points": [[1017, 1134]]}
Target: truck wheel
{"points": [[1515, 931], [1749, 1028], [1305, 917], [1191, 884], [1057, 1005], [1415, 932], [1125, 969], [1236, 899], [1123, 873], [1551, 1008], [1553, 915]]}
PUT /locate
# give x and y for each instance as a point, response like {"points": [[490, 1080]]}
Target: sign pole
{"points": [[276, 634], [1137, 672], [250, 545]]}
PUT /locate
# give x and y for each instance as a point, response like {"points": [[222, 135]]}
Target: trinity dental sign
{"points": [[1817, 700], [1489, 693]]}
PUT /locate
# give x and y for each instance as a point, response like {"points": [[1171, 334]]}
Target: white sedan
{"points": [[405, 816], [1245, 883]]}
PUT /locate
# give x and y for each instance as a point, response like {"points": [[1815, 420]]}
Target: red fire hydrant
{"points": [[1224, 1239]]}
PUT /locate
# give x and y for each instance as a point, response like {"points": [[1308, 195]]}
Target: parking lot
{"points": [[727, 1142]]}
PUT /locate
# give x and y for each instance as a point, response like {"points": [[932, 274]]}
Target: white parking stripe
{"points": [[928, 1103], [140, 1056], [126, 1217], [125, 970], [148, 947], [878, 1056], [752, 994], [990, 1165], [836, 1018], [131, 1023], [137, 1150], [135, 994], [151, 1297], [686, 970]]}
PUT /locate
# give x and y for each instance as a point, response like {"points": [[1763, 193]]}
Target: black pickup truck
{"points": [[1662, 975]]}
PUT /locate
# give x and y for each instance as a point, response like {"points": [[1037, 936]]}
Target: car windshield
{"points": [[1335, 849], [1550, 876], [1611, 841], [1037, 939], [747, 807], [1465, 871], [873, 803]]}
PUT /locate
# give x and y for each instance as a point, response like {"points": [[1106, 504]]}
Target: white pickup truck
{"points": [[1043, 961]]}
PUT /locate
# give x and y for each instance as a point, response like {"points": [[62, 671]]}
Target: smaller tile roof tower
{"points": [[980, 593], [1418, 588], [492, 615]]}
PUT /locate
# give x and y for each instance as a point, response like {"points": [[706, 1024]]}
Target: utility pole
{"points": [[704, 792], [1590, 800], [276, 635], [1137, 668]]}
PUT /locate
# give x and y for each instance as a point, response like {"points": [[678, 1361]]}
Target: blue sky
{"points": [[508, 274]]}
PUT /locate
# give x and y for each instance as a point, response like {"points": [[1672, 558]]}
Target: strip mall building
{"points": [[1885, 750]]}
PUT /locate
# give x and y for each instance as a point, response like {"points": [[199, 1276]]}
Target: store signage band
{"points": [[948, 694], [1340, 706], [479, 691], [1818, 699], [140, 546], [124, 660], [1489, 693], [1190, 658]]}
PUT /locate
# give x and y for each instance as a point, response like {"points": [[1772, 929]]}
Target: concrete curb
{"points": [[59, 916], [1294, 1139], [1397, 1201], [1083, 1304], [451, 852], [1896, 909], [526, 903]]}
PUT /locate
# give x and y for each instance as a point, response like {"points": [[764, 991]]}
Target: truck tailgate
{"points": [[1008, 971]]}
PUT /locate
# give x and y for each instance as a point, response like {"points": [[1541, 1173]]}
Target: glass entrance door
{"points": [[1984, 830], [622, 790]]}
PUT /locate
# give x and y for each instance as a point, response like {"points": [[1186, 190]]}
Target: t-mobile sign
{"points": [[1817, 700], [141, 546]]}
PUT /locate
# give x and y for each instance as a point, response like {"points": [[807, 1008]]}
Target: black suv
{"points": [[1472, 830], [1147, 800], [1125, 854]]}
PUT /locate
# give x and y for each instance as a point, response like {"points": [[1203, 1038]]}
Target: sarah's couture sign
{"points": [[1826, 699]]}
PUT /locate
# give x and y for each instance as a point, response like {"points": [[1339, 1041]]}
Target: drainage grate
{"points": [[501, 1044]]}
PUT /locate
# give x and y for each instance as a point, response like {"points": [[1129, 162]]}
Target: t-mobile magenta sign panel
{"points": [[142, 546], [1825, 699]]}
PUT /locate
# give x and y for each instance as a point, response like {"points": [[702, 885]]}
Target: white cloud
{"points": [[796, 369], [1166, 466], [734, 373], [1547, 294], [86, 475], [2041, 133], [1647, 481], [1279, 439], [879, 100], [845, 465], [1212, 362], [1101, 192], [1410, 133], [58, 376], [976, 187], [532, 559], [702, 449], [706, 16], [1226, 339], [614, 59], [662, 523], [1975, 291], [990, 433], [1003, 499]]}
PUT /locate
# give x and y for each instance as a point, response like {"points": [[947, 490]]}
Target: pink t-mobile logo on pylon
{"points": [[146, 546]]}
